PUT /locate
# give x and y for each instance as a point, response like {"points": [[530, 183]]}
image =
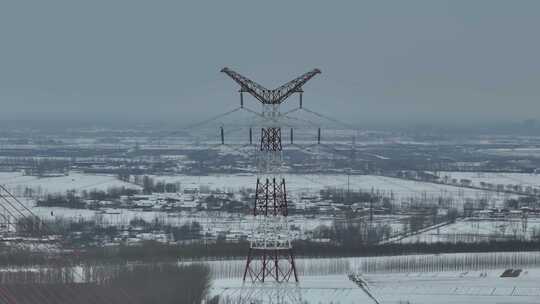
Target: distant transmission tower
{"points": [[270, 256]]}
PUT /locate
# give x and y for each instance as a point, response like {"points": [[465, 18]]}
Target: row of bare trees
{"points": [[137, 284]]}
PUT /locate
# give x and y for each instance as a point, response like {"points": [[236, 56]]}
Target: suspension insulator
{"points": [[250, 136], [319, 136], [292, 136], [241, 99], [222, 135]]}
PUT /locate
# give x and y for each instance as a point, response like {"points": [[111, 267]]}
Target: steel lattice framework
{"points": [[275, 96], [270, 256]]}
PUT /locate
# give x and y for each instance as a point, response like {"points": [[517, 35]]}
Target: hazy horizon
{"points": [[398, 63]]}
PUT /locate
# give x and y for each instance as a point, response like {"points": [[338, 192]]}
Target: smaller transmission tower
{"points": [[270, 255]]}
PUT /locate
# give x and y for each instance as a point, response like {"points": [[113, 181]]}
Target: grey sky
{"points": [[382, 61]]}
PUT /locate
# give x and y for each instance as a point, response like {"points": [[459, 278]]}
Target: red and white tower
{"points": [[270, 256]]}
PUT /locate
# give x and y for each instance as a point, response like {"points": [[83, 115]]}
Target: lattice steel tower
{"points": [[270, 255]]}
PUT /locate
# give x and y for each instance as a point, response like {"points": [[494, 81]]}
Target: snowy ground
{"points": [[312, 289], [16, 182], [519, 152], [456, 287], [477, 230], [523, 179], [444, 279], [298, 185], [419, 288], [210, 221], [400, 189]]}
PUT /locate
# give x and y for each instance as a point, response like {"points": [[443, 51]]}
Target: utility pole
{"points": [[371, 211]]}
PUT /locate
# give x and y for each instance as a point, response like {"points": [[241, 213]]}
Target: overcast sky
{"points": [[381, 61]]}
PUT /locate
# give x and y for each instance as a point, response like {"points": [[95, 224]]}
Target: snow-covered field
{"points": [[523, 179], [445, 279], [210, 222], [16, 182], [520, 152], [312, 289], [400, 189], [482, 287], [456, 287], [478, 230]]}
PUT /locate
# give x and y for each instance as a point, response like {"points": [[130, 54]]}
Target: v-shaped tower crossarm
{"points": [[275, 96]]}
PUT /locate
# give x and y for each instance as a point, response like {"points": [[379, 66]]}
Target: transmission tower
{"points": [[270, 256]]}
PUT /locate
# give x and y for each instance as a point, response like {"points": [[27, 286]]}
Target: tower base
{"points": [[276, 264]]}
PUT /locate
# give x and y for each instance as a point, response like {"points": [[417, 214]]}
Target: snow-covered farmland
{"points": [[519, 152], [446, 279], [210, 222], [476, 178], [312, 289], [483, 286], [473, 230], [16, 182], [401, 190]]}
